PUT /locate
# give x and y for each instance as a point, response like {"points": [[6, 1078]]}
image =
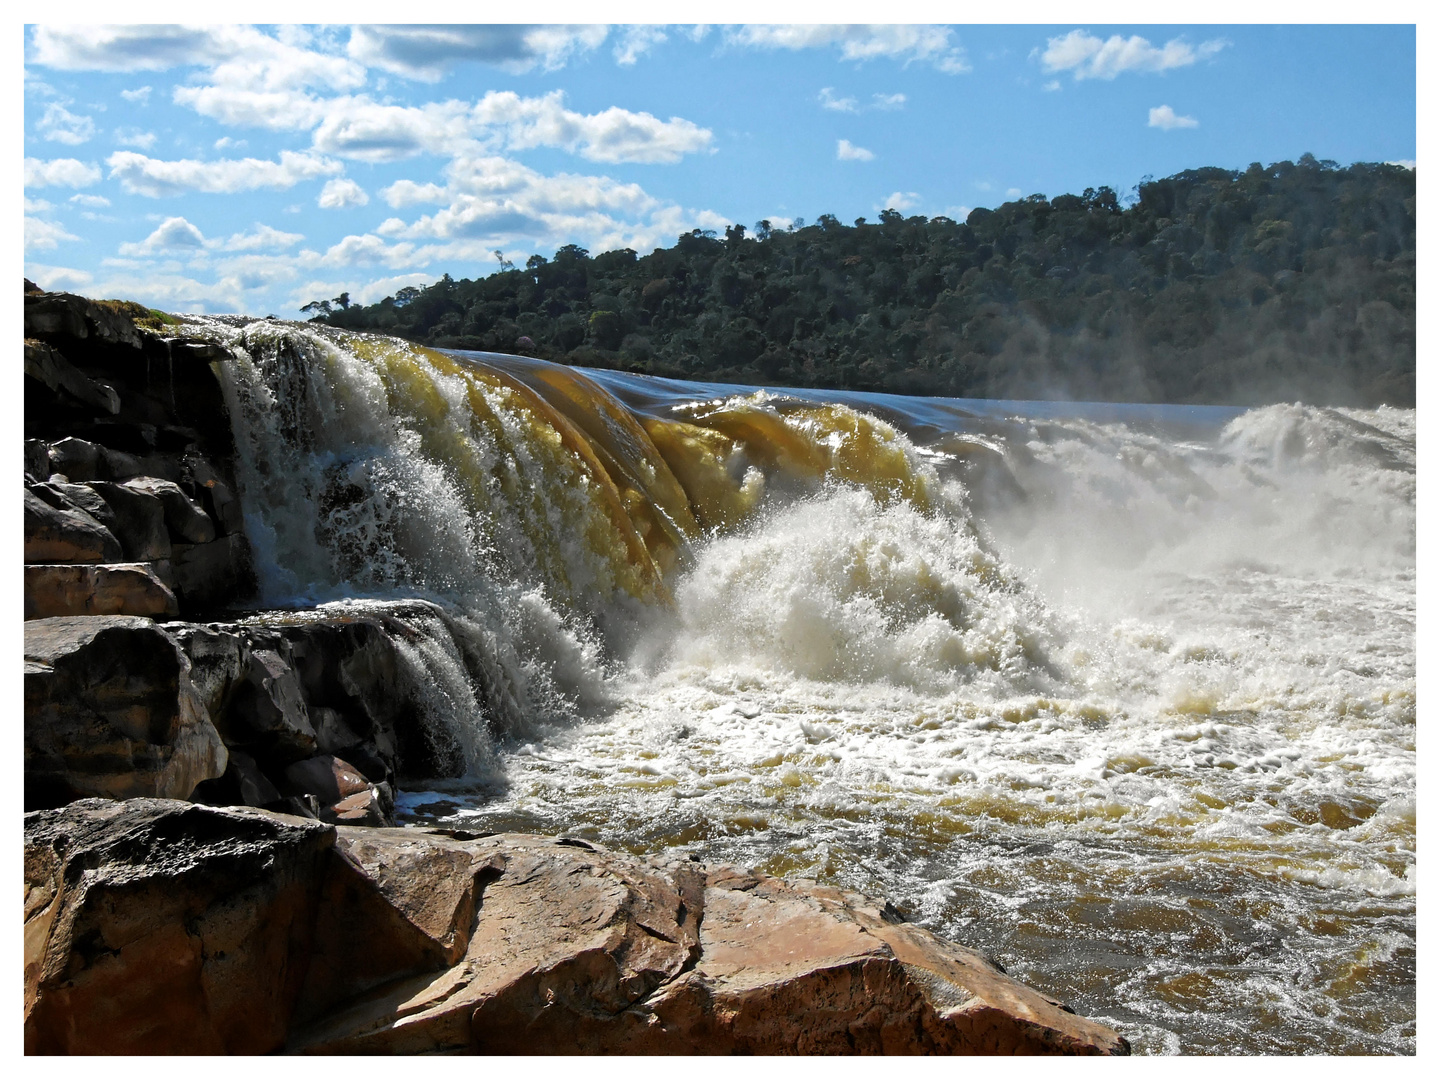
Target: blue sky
{"points": [[254, 168]]}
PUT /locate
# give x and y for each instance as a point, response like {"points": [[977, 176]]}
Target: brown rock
{"points": [[71, 535], [427, 942], [328, 778], [163, 927], [109, 710], [96, 589]]}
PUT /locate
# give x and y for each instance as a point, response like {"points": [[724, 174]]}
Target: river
{"points": [[1123, 695]]}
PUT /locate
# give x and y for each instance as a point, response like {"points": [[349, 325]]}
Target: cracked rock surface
{"points": [[156, 926]]}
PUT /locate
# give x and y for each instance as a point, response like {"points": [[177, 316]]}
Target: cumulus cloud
{"points": [[141, 175], [613, 135], [888, 101], [40, 234], [905, 42], [845, 150], [635, 42], [340, 193], [140, 96], [260, 238], [361, 129], [92, 201], [1090, 57], [428, 53], [900, 200], [58, 278], [408, 193], [60, 172], [828, 100], [60, 125], [1165, 119], [173, 234]]}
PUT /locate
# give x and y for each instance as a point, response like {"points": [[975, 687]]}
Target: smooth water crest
{"points": [[1123, 695]]}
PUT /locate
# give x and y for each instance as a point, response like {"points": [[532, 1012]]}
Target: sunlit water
{"points": [[1124, 696]]}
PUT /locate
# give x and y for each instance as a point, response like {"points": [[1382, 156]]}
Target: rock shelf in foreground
{"points": [[158, 926]]}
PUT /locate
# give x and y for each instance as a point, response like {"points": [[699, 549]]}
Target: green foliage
{"points": [[1293, 281]]}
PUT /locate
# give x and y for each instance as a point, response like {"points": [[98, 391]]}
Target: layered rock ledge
{"points": [[158, 926]]}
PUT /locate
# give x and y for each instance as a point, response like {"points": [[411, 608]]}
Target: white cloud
{"points": [[140, 96], [225, 142], [260, 238], [61, 172], [340, 193], [1090, 57], [44, 234], [613, 135], [910, 43], [1165, 119], [60, 125], [900, 200], [635, 42], [1404, 163], [828, 100], [888, 101], [361, 129], [37, 206], [90, 200], [958, 213], [845, 150], [408, 193], [1051, 86], [1012, 193], [140, 175], [428, 53], [135, 137], [173, 234], [58, 278]]}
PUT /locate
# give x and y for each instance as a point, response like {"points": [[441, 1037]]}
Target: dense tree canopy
{"points": [[1292, 282]]}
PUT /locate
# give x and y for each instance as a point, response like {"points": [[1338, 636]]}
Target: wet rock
{"points": [[218, 658], [49, 367], [185, 520], [54, 535], [209, 576], [163, 927], [268, 710], [77, 459], [362, 808], [328, 778], [137, 520], [96, 589], [110, 710], [37, 459]]}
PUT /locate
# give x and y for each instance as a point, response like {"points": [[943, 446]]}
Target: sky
{"points": [[255, 168]]}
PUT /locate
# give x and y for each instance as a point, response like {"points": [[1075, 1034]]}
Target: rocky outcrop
{"points": [[165, 927], [110, 710], [127, 458]]}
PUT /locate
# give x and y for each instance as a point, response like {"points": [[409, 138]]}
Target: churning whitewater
{"points": [[1123, 695]]}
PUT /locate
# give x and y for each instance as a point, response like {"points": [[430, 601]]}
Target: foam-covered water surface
{"points": [[1124, 695]]}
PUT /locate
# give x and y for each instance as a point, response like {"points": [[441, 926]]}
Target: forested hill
{"points": [[1292, 282]]}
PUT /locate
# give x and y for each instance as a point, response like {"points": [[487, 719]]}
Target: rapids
{"points": [[1124, 695]]}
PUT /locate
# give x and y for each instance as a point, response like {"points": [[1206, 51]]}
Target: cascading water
{"points": [[1125, 696]]}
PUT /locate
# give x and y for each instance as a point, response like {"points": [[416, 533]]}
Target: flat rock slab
{"points": [[417, 941]]}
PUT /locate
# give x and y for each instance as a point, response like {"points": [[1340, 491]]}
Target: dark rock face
{"points": [[110, 710], [163, 927], [96, 589], [128, 426]]}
